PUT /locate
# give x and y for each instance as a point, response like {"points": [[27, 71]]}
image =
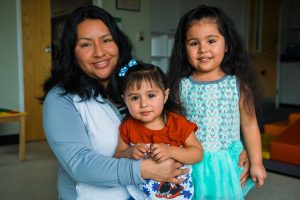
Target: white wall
{"points": [[166, 13], [237, 10], [290, 23]]}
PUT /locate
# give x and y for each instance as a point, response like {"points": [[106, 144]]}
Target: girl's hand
{"points": [[258, 175], [160, 152], [166, 171], [139, 151], [244, 161]]}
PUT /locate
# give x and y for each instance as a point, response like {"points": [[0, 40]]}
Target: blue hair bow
{"points": [[124, 69]]}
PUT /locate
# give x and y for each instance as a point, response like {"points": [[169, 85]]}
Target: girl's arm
{"points": [[190, 153], [136, 152], [252, 139]]}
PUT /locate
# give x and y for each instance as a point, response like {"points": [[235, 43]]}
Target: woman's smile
{"points": [[101, 64]]}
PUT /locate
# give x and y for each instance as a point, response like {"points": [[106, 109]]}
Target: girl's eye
{"points": [[193, 43], [211, 41]]}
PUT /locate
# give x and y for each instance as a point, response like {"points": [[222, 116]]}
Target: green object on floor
{"points": [[5, 110]]}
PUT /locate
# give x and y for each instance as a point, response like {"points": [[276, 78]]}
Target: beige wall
{"points": [[132, 23]]}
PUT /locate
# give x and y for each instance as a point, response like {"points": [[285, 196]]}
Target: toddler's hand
{"points": [[258, 175], [140, 151], [160, 152]]}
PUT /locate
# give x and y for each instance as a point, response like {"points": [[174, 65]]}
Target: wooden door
{"points": [[36, 31], [264, 50]]}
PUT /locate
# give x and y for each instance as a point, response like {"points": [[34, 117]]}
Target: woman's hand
{"points": [[244, 161], [167, 170]]}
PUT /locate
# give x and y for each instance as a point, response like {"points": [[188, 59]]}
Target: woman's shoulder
{"points": [[55, 91], [57, 95]]}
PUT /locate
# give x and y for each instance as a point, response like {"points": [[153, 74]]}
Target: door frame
{"points": [[20, 56], [36, 36]]}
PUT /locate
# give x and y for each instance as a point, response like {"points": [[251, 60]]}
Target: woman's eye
{"points": [[107, 40], [85, 45]]}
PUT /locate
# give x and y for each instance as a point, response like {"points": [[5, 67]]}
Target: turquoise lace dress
{"points": [[214, 106]]}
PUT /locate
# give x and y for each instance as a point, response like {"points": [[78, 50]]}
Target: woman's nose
{"points": [[98, 51]]}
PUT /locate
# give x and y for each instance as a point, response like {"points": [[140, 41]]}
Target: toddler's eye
{"points": [[134, 98], [151, 96]]}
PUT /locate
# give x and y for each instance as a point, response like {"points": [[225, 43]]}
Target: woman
{"points": [[76, 110]]}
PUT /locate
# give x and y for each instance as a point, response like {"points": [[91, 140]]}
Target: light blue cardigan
{"points": [[68, 138]]}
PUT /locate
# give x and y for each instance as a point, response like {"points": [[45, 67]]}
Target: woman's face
{"points": [[95, 50]]}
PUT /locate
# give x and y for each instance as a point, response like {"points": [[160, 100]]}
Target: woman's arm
{"points": [[252, 139], [69, 141], [190, 153]]}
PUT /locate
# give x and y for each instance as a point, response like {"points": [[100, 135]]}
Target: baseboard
{"points": [[282, 168], [9, 139]]}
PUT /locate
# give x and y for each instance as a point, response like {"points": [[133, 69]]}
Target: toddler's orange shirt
{"points": [[175, 132]]}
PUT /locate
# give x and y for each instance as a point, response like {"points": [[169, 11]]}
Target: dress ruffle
{"points": [[217, 176]]}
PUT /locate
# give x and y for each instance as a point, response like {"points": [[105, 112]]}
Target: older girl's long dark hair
{"points": [[236, 61], [67, 74]]}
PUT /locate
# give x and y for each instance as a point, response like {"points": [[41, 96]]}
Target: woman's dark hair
{"points": [[153, 75], [236, 61], [67, 74]]}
